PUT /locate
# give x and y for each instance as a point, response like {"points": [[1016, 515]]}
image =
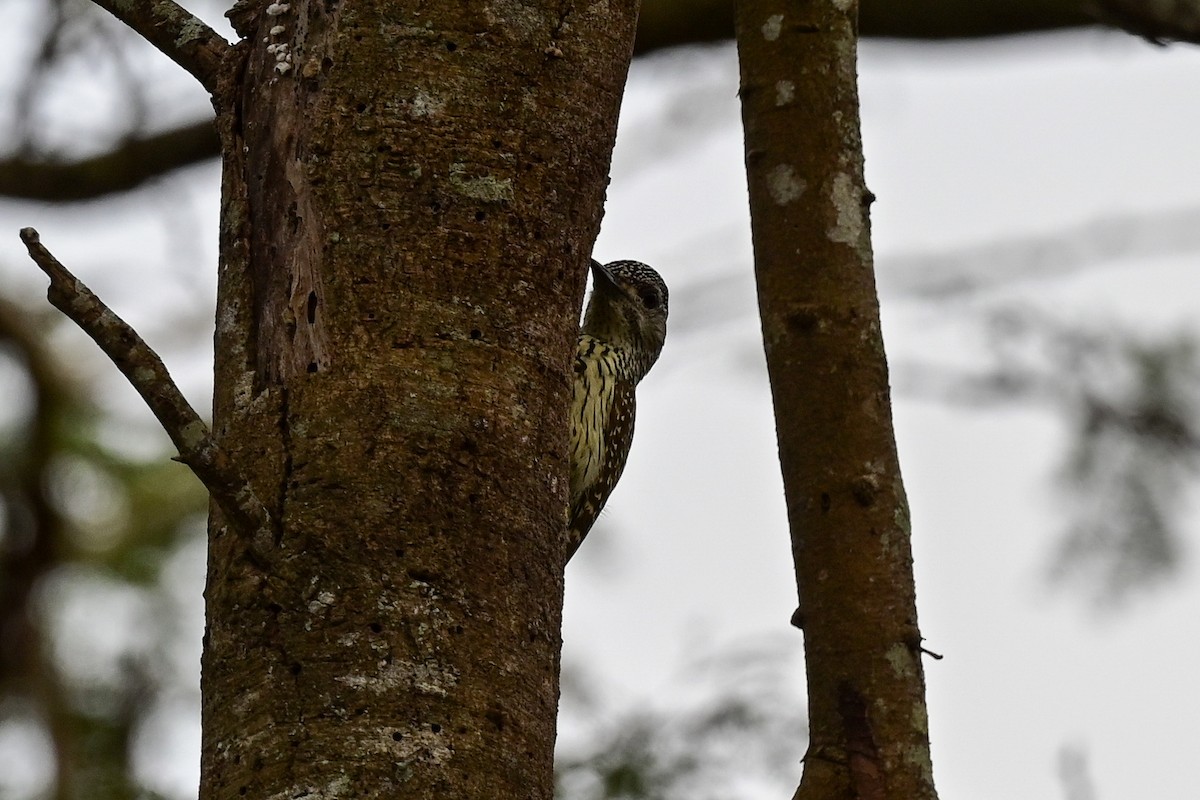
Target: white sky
{"points": [[967, 145]]}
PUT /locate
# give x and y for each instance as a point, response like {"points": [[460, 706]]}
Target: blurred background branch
{"points": [[70, 27], [80, 524], [128, 165], [1131, 405], [738, 735]]}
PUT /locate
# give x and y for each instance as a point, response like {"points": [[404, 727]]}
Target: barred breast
{"points": [[602, 416]]}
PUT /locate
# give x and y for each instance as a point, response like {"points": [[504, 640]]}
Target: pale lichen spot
{"points": [[784, 185], [192, 30], [426, 105], [843, 5], [144, 374], [772, 27], [785, 92], [920, 717], [846, 200], [900, 658], [276, 9], [486, 187], [324, 600], [338, 786], [193, 434], [399, 676], [416, 743]]}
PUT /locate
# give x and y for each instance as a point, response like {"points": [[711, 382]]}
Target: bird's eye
{"points": [[650, 299]]}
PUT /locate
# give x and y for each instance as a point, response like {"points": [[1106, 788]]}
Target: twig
{"points": [[145, 370], [182, 37], [931, 654]]}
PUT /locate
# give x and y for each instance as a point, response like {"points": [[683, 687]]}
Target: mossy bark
{"points": [[829, 381], [410, 193]]}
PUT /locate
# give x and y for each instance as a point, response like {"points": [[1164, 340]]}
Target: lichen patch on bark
{"points": [[772, 27], [848, 226], [784, 185], [785, 92]]}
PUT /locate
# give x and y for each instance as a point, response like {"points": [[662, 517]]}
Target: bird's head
{"points": [[628, 308]]}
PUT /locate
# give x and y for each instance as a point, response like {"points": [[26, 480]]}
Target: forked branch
{"points": [[146, 371], [181, 36]]}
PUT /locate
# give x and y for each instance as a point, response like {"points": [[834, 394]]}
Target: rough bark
{"points": [[829, 381], [410, 193]]}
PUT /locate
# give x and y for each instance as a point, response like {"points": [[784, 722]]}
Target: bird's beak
{"points": [[602, 279]]}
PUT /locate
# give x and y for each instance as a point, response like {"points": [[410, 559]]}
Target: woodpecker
{"points": [[623, 332]]}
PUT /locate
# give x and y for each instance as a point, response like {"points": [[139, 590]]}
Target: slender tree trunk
{"points": [[410, 194], [820, 318]]}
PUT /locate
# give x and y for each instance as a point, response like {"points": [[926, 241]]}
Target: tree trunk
{"points": [[820, 318], [410, 194]]}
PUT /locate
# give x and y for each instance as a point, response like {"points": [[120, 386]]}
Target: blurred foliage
{"points": [[86, 611], [1131, 405], [740, 737], [1075, 774]]}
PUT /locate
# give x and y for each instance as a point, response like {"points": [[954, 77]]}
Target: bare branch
{"points": [[670, 23], [128, 165], [182, 37], [1158, 21], [146, 372]]}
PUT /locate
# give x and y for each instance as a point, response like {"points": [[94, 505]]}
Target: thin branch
{"points": [[670, 23], [128, 165], [182, 37], [145, 370], [1159, 22]]}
